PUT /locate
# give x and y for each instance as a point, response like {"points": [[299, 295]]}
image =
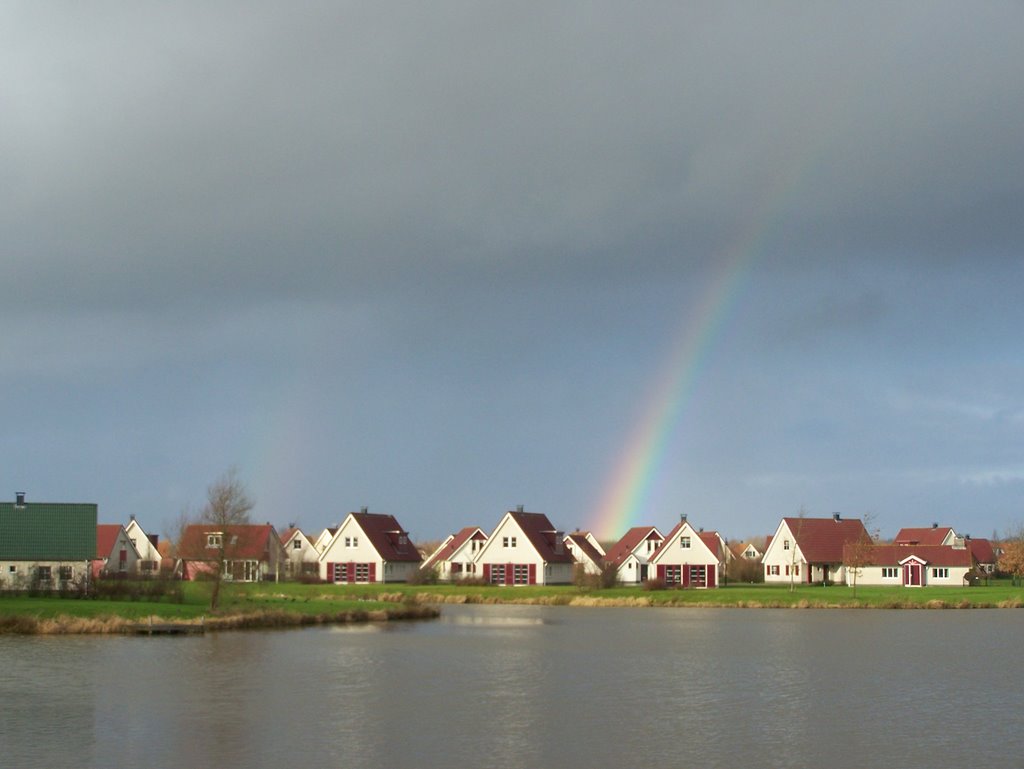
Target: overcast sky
{"points": [[434, 258]]}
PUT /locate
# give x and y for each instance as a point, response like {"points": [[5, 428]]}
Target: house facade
{"points": [[811, 550], [631, 555], [369, 547], [250, 552], [910, 566], [525, 549], [116, 554], [456, 558], [147, 545], [45, 544], [301, 557], [689, 558]]}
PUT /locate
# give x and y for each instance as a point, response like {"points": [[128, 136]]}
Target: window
{"points": [[698, 576], [785, 544], [890, 572], [355, 541], [362, 572], [521, 574], [65, 573], [12, 569], [940, 573], [773, 570], [673, 575], [296, 545], [684, 543], [340, 573], [147, 565], [508, 541], [43, 573], [498, 574], [213, 540]]}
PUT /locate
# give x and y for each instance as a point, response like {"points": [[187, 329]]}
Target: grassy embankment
{"points": [[242, 606], [289, 604], [999, 594]]}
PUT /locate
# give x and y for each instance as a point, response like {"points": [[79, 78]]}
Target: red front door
{"points": [[912, 575]]}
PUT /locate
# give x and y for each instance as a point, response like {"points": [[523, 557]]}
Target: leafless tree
{"points": [[227, 505], [858, 553]]}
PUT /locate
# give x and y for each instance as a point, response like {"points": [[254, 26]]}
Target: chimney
{"points": [[682, 517], [935, 524], [519, 508], [19, 499], [364, 510], [131, 516], [836, 517]]}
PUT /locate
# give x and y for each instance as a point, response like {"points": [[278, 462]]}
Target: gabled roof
{"points": [[930, 535], [821, 540], [388, 538], [453, 543], [545, 538], [47, 531], [631, 541], [248, 541], [579, 539], [106, 538], [932, 555]]}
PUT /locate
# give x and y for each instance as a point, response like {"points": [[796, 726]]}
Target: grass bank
{"points": [[242, 607], [999, 594]]}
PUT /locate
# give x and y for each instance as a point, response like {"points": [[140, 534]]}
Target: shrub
{"points": [[654, 583], [423, 577]]}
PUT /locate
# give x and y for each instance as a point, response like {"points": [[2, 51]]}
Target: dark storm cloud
{"points": [[168, 154]]}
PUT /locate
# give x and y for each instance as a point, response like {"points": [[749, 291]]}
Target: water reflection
{"points": [[542, 686]]}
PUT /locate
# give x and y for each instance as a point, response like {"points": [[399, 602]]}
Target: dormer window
{"points": [[213, 540]]}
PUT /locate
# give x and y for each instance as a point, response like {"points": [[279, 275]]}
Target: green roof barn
{"points": [[47, 531]]}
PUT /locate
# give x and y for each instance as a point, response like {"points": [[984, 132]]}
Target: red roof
{"points": [[390, 540], [250, 541], [930, 535], [106, 538], [579, 538], [447, 550], [933, 555], [714, 543], [287, 534], [546, 540], [982, 550], [630, 541], [821, 540]]}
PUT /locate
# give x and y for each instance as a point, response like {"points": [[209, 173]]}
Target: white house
{"points": [[525, 549], [146, 544], [456, 557], [631, 555], [116, 554], [301, 557], [369, 547], [810, 549], [689, 558], [586, 550], [909, 565], [324, 538]]}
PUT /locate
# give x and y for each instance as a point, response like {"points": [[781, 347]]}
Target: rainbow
{"points": [[626, 493]]}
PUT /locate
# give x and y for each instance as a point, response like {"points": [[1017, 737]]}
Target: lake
{"points": [[537, 686]]}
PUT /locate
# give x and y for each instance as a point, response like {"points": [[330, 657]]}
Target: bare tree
{"points": [[860, 552], [227, 505]]}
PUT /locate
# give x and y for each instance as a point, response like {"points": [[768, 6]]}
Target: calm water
{"points": [[510, 685]]}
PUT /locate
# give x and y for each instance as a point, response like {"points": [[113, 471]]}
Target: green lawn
{"points": [[324, 600]]}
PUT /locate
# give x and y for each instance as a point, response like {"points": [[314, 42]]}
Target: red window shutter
{"points": [[712, 574], [661, 572], [330, 572], [508, 573], [373, 572], [351, 575], [487, 573], [685, 569], [533, 574]]}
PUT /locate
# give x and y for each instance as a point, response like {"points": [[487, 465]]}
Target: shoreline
{"points": [[65, 624]]}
